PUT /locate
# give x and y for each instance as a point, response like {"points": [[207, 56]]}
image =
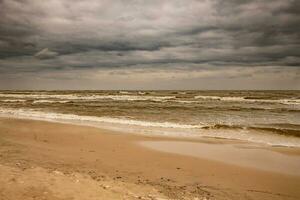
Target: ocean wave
{"points": [[89, 97], [223, 126], [280, 131], [123, 92], [28, 113], [161, 128], [287, 131], [136, 98], [48, 101], [39, 96], [247, 99], [12, 100], [185, 101]]}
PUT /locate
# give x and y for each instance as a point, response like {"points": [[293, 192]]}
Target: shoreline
{"points": [[158, 129], [115, 161]]}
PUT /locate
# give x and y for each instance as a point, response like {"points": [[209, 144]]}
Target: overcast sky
{"points": [[150, 44]]}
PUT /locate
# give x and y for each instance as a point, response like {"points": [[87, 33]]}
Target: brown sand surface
{"points": [[44, 160], [248, 155]]}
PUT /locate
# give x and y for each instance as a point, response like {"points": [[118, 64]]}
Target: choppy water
{"points": [[270, 117]]}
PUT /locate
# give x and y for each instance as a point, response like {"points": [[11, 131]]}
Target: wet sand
{"points": [[44, 160], [246, 155]]}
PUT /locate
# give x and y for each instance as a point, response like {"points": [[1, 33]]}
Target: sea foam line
{"points": [[178, 130], [243, 99], [48, 101], [31, 114], [13, 100], [90, 97]]}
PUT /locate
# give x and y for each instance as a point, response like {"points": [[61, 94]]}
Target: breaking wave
{"points": [[48, 101], [247, 99], [89, 97], [32, 114], [253, 134], [12, 100]]}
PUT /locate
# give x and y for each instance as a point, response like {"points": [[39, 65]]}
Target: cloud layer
{"points": [[193, 42]]}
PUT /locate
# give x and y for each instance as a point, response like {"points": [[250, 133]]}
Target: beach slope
{"points": [[53, 161]]}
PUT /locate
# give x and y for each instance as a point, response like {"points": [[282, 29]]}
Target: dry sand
{"points": [[43, 160]]}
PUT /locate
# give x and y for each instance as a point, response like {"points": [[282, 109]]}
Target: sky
{"points": [[150, 44]]}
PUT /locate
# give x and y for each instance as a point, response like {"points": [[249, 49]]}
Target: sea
{"points": [[262, 117]]}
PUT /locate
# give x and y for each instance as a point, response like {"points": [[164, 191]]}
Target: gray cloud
{"points": [[55, 36]]}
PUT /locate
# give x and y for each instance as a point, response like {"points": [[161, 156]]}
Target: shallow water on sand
{"points": [[252, 157]]}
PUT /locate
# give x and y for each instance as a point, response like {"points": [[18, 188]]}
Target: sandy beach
{"points": [[46, 160], [149, 100]]}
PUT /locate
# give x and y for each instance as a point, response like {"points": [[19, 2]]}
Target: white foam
{"points": [[31, 114], [48, 101], [13, 100], [135, 98], [242, 99], [207, 97], [39, 96], [154, 128], [123, 92], [188, 102], [89, 97]]}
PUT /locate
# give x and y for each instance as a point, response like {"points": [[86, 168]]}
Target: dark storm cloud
{"points": [[64, 35]]}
